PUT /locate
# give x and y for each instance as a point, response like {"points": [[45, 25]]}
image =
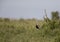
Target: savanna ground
{"points": [[25, 31]]}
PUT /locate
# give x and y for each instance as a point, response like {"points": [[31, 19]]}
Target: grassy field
{"points": [[25, 31]]}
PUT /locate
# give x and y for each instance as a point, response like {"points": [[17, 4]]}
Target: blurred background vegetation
{"points": [[24, 30]]}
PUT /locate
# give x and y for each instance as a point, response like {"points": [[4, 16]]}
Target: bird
{"points": [[37, 27]]}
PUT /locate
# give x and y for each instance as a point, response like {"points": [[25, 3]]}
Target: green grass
{"points": [[25, 31]]}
